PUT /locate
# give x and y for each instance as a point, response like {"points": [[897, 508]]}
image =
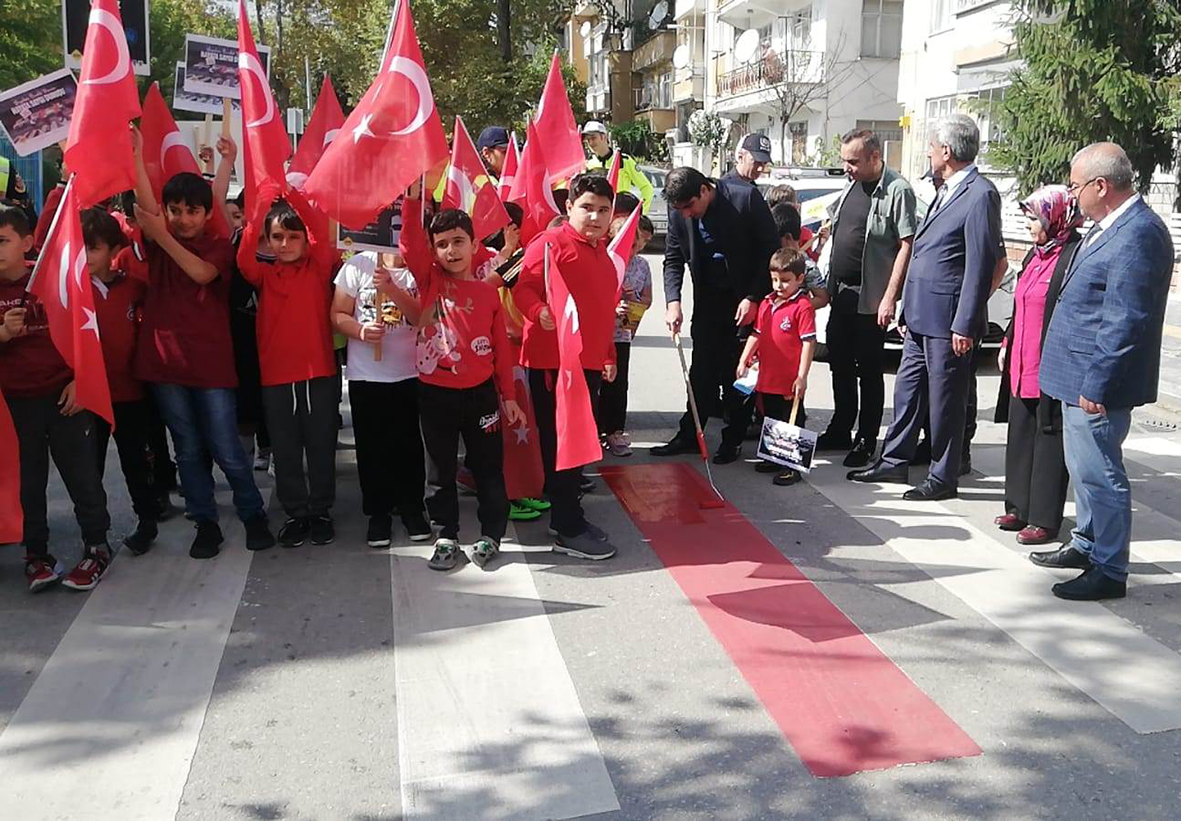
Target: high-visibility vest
{"points": [[5, 171]]}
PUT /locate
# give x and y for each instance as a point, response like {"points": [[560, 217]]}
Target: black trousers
{"points": [[561, 486], [473, 414], [856, 356], [389, 446], [163, 468], [716, 351], [1035, 469], [135, 459], [301, 419], [41, 432], [612, 413]]}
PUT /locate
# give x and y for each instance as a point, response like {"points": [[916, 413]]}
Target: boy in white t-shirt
{"points": [[381, 368]]}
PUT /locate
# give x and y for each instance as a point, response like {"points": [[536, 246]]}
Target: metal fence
{"points": [[28, 167]]}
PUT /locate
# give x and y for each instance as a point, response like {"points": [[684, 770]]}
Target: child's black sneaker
{"points": [[207, 543], [293, 532], [417, 526], [378, 534], [258, 534], [321, 530], [584, 546], [140, 542], [788, 477]]}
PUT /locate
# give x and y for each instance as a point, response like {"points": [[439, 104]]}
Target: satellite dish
{"points": [[659, 12], [681, 56], [746, 46], [585, 28]]}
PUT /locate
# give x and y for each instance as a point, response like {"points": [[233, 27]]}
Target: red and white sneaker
{"points": [[41, 572], [94, 564]]}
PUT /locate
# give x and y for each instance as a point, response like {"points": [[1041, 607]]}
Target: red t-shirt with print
{"points": [[783, 325]]}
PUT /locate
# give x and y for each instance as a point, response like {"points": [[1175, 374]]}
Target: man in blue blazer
{"points": [[1101, 358], [944, 307]]}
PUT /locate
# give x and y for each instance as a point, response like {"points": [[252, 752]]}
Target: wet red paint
{"points": [[840, 702]]}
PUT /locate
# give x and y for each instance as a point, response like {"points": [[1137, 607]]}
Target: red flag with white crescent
{"points": [[536, 188], [322, 128], [12, 517], [391, 138], [578, 435], [613, 169], [267, 146], [620, 249], [470, 189], [508, 173], [555, 123], [524, 475], [98, 150], [61, 283]]}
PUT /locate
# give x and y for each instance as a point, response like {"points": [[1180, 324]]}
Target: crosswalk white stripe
{"points": [[109, 728], [489, 722], [1131, 675]]}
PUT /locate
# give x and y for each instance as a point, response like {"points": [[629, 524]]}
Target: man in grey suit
{"points": [[1101, 358], [944, 304]]}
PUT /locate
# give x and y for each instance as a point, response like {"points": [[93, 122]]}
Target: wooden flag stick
{"points": [[227, 111], [795, 409], [208, 129]]}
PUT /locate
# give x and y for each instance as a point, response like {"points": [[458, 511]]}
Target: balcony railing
{"points": [[795, 66]]}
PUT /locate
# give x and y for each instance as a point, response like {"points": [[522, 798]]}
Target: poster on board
{"points": [[76, 17], [183, 100], [211, 66], [380, 235], [36, 114]]}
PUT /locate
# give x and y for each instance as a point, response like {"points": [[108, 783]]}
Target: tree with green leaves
{"points": [[30, 40], [1091, 70]]}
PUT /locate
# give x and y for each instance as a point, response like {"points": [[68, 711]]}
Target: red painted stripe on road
{"points": [[840, 702]]}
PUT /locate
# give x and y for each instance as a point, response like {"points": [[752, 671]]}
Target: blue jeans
{"points": [[1093, 447], [204, 421]]}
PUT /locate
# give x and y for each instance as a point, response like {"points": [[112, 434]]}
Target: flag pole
{"points": [[52, 228]]}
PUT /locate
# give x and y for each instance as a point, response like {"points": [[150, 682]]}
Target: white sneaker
{"points": [[619, 444]]}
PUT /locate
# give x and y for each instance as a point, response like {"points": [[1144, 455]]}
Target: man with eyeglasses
{"points": [[1101, 358]]}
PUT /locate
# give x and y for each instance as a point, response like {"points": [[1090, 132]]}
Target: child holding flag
{"points": [[464, 371], [296, 360], [39, 389]]}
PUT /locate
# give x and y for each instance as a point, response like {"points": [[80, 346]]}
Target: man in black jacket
{"points": [[726, 234]]}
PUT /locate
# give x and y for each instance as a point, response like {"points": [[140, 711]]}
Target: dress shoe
{"points": [[930, 491], [861, 453], [727, 454], [1032, 535], [1091, 586], [675, 447], [1010, 521], [1063, 557], [830, 440], [881, 472]]}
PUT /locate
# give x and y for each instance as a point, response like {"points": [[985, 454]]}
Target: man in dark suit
{"points": [[1101, 358], [726, 234], [944, 302]]}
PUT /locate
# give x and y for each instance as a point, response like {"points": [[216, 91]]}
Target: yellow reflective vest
{"points": [[631, 178]]}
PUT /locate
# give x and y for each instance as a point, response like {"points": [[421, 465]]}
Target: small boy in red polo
{"points": [[784, 339]]}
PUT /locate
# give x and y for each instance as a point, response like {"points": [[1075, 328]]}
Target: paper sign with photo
{"points": [[183, 100], [36, 114], [788, 445], [380, 235], [211, 66]]}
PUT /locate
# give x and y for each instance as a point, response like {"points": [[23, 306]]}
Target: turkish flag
{"points": [[327, 119], [470, 189], [267, 145], [508, 173], [166, 153], [620, 249], [578, 435], [524, 475], [613, 170], [536, 188], [12, 519], [392, 137], [555, 124], [61, 281], [98, 150]]}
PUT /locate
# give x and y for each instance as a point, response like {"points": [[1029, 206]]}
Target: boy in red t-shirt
{"points": [[39, 389], [296, 361], [186, 353], [465, 374], [785, 339], [118, 297]]}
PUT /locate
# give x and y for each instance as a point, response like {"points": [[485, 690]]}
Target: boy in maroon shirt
{"points": [[579, 247], [39, 389], [298, 367], [185, 352], [118, 296], [465, 373]]}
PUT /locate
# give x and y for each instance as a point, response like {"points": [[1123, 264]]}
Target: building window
{"points": [[940, 107], [799, 142], [887, 130], [968, 5], [983, 107], [940, 15], [799, 29], [881, 28]]}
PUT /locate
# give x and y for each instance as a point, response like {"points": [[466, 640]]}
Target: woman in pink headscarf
{"points": [[1035, 471]]}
